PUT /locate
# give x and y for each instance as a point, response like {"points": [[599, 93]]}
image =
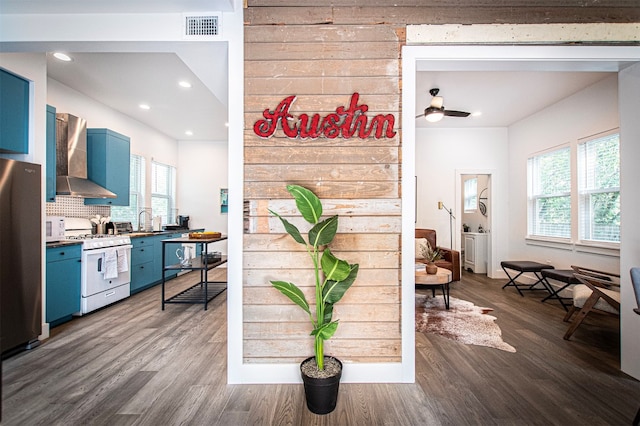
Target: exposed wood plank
{"points": [[350, 207], [267, 190], [514, 4], [280, 141], [337, 155], [320, 34], [440, 15], [325, 51], [366, 277], [346, 350], [342, 242], [321, 85], [361, 224], [356, 294], [354, 313], [346, 330], [295, 260], [377, 104], [341, 172]]}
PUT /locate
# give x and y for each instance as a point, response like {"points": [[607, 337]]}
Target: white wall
{"points": [[144, 140], [203, 170], [629, 97], [442, 156], [588, 112]]}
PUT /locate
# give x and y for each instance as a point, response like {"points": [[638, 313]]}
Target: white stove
{"points": [[105, 265]]}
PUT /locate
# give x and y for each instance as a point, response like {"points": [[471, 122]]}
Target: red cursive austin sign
{"points": [[346, 122]]}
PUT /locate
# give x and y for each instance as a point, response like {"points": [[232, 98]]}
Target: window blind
{"points": [[599, 188], [549, 195]]}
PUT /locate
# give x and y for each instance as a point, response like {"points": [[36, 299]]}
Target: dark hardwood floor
{"points": [[132, 364]]}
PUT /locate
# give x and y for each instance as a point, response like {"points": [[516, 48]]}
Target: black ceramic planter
{"points": [[321, 394]]}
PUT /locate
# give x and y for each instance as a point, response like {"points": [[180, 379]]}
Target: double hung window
{"points": [[574, 191], [163, 191], [136, 193], [471, 195], [599, 188]]}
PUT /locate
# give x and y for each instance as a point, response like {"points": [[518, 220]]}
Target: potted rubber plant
{"points": [[333, 277]]}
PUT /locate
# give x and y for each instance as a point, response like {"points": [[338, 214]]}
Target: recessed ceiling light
{"points": [[476, 114], [144, 106], [62, 56], [185, 84], [188, 133]]}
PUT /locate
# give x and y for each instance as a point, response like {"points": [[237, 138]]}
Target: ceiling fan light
{"points": [[433, 114]]}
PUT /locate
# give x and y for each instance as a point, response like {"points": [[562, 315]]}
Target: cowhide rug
{"points": [[463, 322]]}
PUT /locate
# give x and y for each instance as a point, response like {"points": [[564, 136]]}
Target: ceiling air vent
{"points": [[201, 26]]}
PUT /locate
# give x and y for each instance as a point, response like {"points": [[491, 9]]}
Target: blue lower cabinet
{"points": [[143, 264], [63, 284]]}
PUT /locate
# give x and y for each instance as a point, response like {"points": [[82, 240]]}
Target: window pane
{"points": [[550, 194], [553, 217], [163, 191], [471, 195], [599, 188], [136, 199]]}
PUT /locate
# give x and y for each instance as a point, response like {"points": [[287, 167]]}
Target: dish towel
{"points": [[110, 264], [123, 262]]}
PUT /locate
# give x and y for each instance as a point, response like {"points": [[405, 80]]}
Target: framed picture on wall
{"points": [[224, 200]]}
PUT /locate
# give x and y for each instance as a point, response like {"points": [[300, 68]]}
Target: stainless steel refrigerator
{"points": [[20, 254]]}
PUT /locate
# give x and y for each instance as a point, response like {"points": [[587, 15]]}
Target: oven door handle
{"points": [[100, 264]]}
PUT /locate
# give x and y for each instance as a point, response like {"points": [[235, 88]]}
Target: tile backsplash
{"points": [[75, 207]]}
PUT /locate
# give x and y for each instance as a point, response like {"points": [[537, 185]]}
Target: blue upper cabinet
{"points": [[108, 161], [14, 113], [51, 154]]}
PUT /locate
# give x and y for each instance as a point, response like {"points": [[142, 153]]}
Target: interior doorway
{"points": [[474, 196]]}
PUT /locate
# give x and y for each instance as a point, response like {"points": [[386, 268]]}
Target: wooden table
{"points": [[441, 279]]}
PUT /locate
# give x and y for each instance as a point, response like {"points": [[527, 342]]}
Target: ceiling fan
{"points": [[435, 111]]}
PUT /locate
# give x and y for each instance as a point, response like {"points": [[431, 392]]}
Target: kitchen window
{"points": [[136, 193], [163, 191]]}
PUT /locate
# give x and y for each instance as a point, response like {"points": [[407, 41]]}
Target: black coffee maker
{"points": [[183, 222]]}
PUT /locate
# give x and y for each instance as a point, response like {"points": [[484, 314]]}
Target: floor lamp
{"points": [[451, 217]]}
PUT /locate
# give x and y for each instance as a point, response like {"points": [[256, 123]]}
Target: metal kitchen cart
{"points": [[203, 291]]}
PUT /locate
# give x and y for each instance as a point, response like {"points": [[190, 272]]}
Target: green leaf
{"points": [[334, 268], [322, 233], [334, 290], [328, 313], [307, 202], [326, 331], [292, 292], [290, 228]]}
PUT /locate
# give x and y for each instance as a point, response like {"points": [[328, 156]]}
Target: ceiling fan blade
{"points": [[420, 116], [451, 113]]}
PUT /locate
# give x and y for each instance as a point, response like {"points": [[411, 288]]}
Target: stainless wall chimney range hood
{"points": [[71, 160]]}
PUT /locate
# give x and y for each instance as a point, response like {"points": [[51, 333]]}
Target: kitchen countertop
{"points": [[63, 243], [131, 235]]}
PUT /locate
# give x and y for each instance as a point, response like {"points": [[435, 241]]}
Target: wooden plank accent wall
{"points": [[323, 52], [356, 178]]}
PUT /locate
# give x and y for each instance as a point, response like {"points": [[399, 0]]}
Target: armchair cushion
{"points": [[450, 258]]}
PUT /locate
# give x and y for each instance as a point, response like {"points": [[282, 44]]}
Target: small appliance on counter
{"points": [[121, 228], [54, 226], [157, 223], [183, 222]]}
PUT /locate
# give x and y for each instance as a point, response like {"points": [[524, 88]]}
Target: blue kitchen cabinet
{"points": [[14, 113], [63, 283], [51, 155], [143, 265], [108, 158]]}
